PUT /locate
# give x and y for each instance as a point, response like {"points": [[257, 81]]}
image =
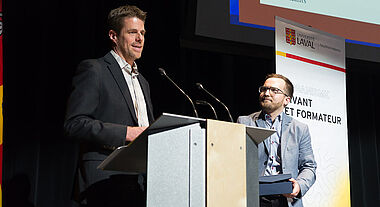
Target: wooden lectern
{"points": [[193, 162]]}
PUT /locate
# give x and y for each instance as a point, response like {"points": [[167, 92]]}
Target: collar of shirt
{"points": [[269, 121], [124, 65]]}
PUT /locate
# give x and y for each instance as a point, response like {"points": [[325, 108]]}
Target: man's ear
{"points": [[287, 100], [112, 35]]}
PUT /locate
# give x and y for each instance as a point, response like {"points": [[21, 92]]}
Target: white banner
{"points": [[315, 63]]}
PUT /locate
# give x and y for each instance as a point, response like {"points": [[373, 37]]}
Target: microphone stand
{"points": [[162, 71], [228, 111], [205, 103]]}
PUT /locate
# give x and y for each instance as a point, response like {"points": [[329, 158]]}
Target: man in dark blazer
{"points": [[289, 150], [110, 106]]}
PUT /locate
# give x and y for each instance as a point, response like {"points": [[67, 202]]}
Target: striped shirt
{"points": [[274, 159], [130, 75]]}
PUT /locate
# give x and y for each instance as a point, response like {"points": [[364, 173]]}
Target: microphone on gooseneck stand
{"points": [[163, 73], [205, 103], [199, 86]]}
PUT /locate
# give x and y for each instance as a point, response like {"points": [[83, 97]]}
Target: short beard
{"points": [[269, 107]]}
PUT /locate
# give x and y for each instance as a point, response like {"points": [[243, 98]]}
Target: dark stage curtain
{"points": [[364, 131], [45, 40]]}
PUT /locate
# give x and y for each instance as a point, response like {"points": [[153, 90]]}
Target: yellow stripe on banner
{"points": [[342, 196], [1, 115], [281, 53]]}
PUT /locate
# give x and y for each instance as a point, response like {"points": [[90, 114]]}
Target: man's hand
{"points": [[133, 132], [296, 189]]}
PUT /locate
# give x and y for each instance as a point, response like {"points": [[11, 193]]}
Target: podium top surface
{"points": [[259, 134], [167, 120]]}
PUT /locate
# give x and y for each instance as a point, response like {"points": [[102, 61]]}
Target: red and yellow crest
{"points": [[290, 36]]}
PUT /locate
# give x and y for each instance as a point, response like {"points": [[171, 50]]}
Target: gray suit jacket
{"points": [[296, 152]]}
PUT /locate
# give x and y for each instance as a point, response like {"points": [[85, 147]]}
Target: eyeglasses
{"points": [[272, 90]]}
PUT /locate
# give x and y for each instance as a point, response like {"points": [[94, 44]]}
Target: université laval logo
{"points": [[290, 36]]}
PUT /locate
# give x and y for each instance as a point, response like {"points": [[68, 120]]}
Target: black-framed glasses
{"points": [[272, 90]]}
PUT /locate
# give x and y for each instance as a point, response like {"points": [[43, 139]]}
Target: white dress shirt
{"points": [[130, 74]]}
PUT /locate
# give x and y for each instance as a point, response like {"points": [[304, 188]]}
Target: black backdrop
{"points": [[45, 40]]}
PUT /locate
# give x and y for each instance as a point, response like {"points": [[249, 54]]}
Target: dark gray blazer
{"points": [[296, 151], [99, 110]]}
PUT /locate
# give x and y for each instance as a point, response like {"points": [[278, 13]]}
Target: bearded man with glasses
{"points": [[289, 150]]}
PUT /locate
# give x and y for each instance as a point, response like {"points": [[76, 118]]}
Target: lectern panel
{"points": [[226, 164], [176, 168]]}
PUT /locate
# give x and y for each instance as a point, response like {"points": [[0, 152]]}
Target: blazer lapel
{"points": [[284, 134], [118, 76]]}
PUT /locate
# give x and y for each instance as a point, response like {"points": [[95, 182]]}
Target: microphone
{"points": [[228, 111], [205, 103], [163, 73]]}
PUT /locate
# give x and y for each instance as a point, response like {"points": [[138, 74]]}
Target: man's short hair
{"points": [[116, 16], [288, 84]]}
